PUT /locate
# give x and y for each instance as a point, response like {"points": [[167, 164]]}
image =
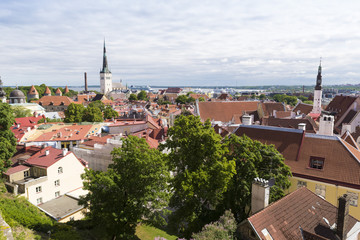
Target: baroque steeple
{"points": [[105, 67], [318, 78]]}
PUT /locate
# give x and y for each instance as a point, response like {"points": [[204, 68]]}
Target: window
{"points": [[320, 190], [60, 170], [57, 194], [316, 162], [57, 183], [301, 184], [26, 174], [353, 198], [39, 200], [38, 189]]}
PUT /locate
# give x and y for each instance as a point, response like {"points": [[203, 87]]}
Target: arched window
{"points": [[60, 170]]}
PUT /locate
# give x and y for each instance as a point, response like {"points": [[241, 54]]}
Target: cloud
{"points": [[160, 42]]}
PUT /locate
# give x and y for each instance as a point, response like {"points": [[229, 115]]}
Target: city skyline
{"points": [[203, 43]]}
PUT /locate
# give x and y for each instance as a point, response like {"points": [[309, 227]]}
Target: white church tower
{"points": [[317, 93], [105, 75]]}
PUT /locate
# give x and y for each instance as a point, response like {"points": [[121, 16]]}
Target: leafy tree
{"points": [[291, 100], [262, 96], [133, 189], [190, 100], [142, 95], [163, 102], [181, 99], [201, 99], [302, 98], [20, 112], [99, 104], [133, 97], [223, 229], [110, 113], [253, 159], [309, 102], [74, 113], [201, 172], [92, 114], [7, 138]]}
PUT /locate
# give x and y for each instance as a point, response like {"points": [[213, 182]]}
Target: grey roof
{"points": [[60, 207], [17, 94]]}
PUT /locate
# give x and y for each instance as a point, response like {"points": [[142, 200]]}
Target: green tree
{"points": [[201, 99], [223, 229], [20, 112], [133, 97], [110, 113], [309, 102], [190, 100], [142, 95], [7, 138], [253, 159], [74, 113], [181, 99], [201, 172], [302, 98], [92, 114], [133, 190], [99, 104], [262, 96]]}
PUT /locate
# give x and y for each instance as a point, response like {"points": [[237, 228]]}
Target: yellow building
{"points": [[327, 165]]}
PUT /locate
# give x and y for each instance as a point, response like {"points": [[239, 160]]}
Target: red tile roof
{"points": [[58, 91], [269, 107], [341, 160], [224, 111], [301, 208], [67, 133], [28, 121], [303, 108], [33, 90], [54, 100], [40, 159], [339, 105], [66, 89], [47, 91], [16, 169], [291, 123]]}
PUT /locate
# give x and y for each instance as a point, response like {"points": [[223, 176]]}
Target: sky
{"points": [[180, 42]]}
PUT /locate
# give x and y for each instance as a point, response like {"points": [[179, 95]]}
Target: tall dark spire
{"points": [[105, 68], [318, 78]]}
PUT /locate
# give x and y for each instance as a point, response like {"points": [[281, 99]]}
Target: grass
{"points": [[145, 232]]}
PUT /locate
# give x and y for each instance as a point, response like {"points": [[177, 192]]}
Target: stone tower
{"points": [[317, 93], [105, 75]]}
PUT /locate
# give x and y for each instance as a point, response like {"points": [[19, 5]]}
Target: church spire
{"points": [[318, 78], [105, 68]]}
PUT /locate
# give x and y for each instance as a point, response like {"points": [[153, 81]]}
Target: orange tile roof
{"points": [[16, 169], [47, 91], [269, 107], [303, 108], [40, 159], [224, 111], [58, 91], [54, 100], [66, 133], [301, 208], [33, 90], [66, 89]]}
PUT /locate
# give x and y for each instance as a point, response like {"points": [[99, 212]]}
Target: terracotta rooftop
{"points": [[224, 111], [54, 100], [291, 123], [58, 91], [16, 169], [303, 108], [341, 160], [66, 89], [33, 90], [40, 159], [301, 208], [269, 107], [28, 121], [64, 133], [283, 114], [339, 105], [47, 91]]}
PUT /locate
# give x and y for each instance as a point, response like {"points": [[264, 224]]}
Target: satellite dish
{"points": [[271, 182]]}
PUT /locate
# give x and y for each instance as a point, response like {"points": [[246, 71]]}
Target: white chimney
{"points": [[64, 151], [326, 126], [302, 126], [47, 152], [247, 119], [260, 195]]}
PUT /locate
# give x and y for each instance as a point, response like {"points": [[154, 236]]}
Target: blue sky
{"points": [[155, 42]]}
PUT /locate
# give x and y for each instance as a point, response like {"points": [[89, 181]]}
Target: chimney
{"points": [[260, 195], [247, 119], [302, 126], [64, 151], [342, 216], [86, 85], [326, 126], [47, 152]]}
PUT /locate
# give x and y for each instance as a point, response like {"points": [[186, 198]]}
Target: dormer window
{"points": [[60, 170], [316, 162]]}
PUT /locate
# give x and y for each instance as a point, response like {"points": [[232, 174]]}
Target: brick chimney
{"points": [[260, 195], [342, 216]]}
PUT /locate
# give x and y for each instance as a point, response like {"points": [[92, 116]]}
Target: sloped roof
{"points": [[33, 90], [47, 91], [290, 123], [269, 107], [224, 111], [303, 108], [66, 133], [27, 121], [58, 91], [283, 114], [341, 160], [339, 105], [16, 169], [54, 100], [40, 159], [301, 208], [66, 89]]}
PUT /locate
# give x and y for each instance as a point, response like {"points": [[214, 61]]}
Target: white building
{"points": [[46, 175], [105, 76], [317, 93]]}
